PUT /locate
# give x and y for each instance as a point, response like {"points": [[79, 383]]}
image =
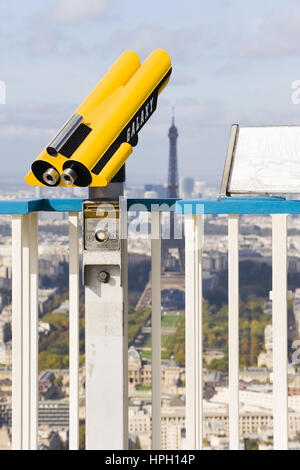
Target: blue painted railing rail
{"points": [[229, 205], [239, 205]]}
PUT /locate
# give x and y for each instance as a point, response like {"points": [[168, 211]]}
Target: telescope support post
{"points": [[105, 280]]}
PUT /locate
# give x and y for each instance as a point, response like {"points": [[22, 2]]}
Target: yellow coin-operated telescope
{"points": [[93, 145]]}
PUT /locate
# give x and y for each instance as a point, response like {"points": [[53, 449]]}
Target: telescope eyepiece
{"points": [[51, 177], [69, 176]]}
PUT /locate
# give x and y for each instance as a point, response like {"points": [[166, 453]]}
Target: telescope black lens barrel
{"points": [[77, 171], [46, 173], [64, 134]]}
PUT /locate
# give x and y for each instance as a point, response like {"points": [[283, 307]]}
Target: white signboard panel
{"points": [[264, 160]]}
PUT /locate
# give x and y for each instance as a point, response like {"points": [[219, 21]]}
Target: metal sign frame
{"points": [[230, 160]]}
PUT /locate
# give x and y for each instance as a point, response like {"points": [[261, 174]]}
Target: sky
{"points": [[233, 62]]}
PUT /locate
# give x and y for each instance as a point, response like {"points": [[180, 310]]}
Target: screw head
{"points": [[101, 236], [104, 277]]}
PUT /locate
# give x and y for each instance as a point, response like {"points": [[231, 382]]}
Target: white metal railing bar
{"points": [[25, 335], [34, 350], [233, 329], [74, 330], [199, 330], [189, 230], [193, 330], [280, 331], [156, 328], [17, 307]]}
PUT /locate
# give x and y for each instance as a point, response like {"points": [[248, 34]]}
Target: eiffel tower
{"points": [[172, 248]]}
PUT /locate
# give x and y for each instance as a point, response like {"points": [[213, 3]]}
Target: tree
{"points": [[82, 436], [254, 350], [251, 444]]}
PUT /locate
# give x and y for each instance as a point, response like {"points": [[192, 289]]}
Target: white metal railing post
{"points": [[74, 330], [280, 331], [24, 330], [156, 328], [105, 279], [193, 330], [233, 330], [26, 335], [199, 330], [34, 314], [17, 340]]}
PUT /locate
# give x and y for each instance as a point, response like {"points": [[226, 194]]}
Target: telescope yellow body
{"points": [[94, 144]]}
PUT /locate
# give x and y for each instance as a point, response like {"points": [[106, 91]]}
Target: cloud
{"points": [[44, 43], [55, 41], [195, 113], [32, 121], [180, 43], [72, 11], [277, 36], [8, 132], [224, 3], [182, 79]]}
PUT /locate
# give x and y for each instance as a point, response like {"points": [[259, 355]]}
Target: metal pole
{"points": [[34, 314], [25, 334], [74, 330], [156, 328], [193, 331], [105, 279], [190, 307], [233, 333], [280, 331], [26, 372], [17, 334], [199, 329]]}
